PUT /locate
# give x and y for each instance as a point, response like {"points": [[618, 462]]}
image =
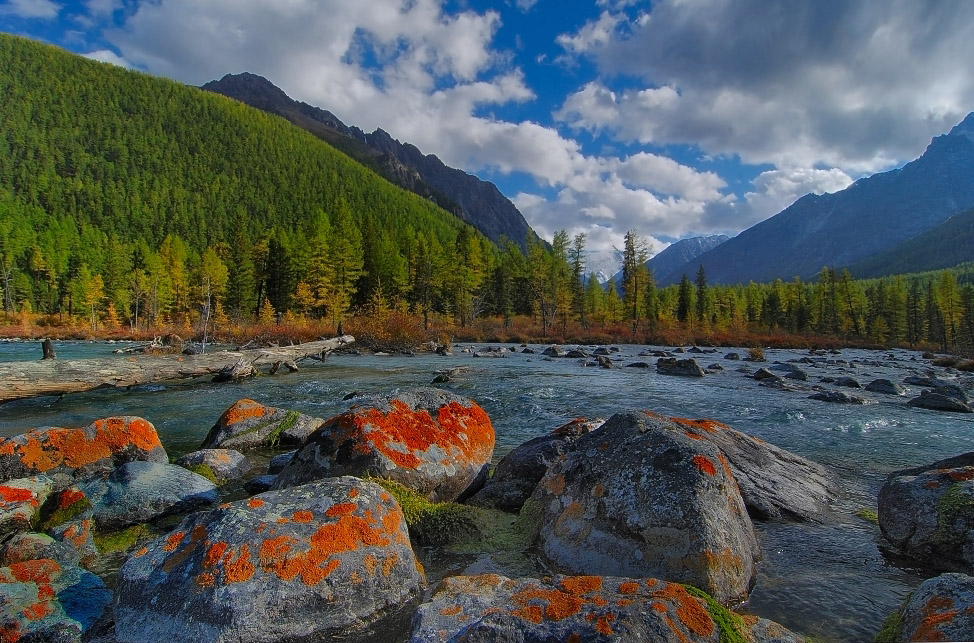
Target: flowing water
{"points": [[829, 581]]}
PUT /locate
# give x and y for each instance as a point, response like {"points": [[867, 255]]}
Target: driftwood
{"points": [[20, 380]]}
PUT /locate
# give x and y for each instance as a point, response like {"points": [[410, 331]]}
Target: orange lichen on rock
{"points": [[13, 494], [582, 584], [451, 611], [938, 611], [531, 613], [710, 426], [34, 571], [244, 409], [214, 554], [37, 611], [628, 587], [961, 475], [705, 465], [172, 542], [353, 493], [302, 516], [691, 611], [463, 432], [602, 624], [558, 605], [340, 509], [255, 503], [68, 497], [555, 483], [238, 569], [932, 484]]}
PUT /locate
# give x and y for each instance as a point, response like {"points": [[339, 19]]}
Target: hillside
{"points": [[100, 167], [949, 244], [871, 216], [477, 202]]}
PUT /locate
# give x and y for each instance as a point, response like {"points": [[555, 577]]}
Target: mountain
{"points": [[945, 246], [869, 217], [669, 265], [477, 202]]}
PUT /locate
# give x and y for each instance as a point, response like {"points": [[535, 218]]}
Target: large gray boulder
{"points": [[432, 441], [886, 387], [680, 367], [142, 491], [66, 455], [945, 398], [940, 609], [927, 513], [641, 498], [581, 608], [775, 484], [249, 425], [325, 561], [518, 473], [217, 465]]}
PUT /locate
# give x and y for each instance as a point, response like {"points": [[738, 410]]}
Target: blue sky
{"points": [[673, 118]]}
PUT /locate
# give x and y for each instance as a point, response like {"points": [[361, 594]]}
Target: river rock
{"points": [[518, 472], [142, 491], [938, 400], [683, 367], [637, 365], [32, 546], [775, 484], [919, 380], [494, 608], [601, 350], [639, 497], [224, 464], [764, 374], [838, 397], [248, 425], [577, 354], [68, 454], [732, 356], [940, 609], [429, 440], [848, 382], [43, 601], [886, 387], [326, 561], [554, 351], [20, 503], [278, 462], [927, 513], [260, 484], [797, 374]]}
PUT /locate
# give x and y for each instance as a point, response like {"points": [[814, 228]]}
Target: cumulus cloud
{"points": [[43, 9], [108, 56], [103, 7], [860, 86]]}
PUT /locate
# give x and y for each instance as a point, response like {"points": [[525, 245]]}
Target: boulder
{"points": [[518, 472], [639, 497], [554, 351], [577, 354], [79, 535], [637, 365], [278, 462], [775, 484], [732, 356], [797, 374], [765, 374], [886, 387], [529, 351], [432, 441], [20, 503], [601, 350], [326, 561], [260, 484], [32, 546], [682, 367], [927, 513], [248, 425], [848, 382], [938, 400], [216, 465], [940, 609], [494, 608], [143, 491], [69, 454], [838, 397], [919, 380], [42, 600]]}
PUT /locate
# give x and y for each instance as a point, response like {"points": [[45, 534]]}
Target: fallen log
{"points": [[20, 380]]}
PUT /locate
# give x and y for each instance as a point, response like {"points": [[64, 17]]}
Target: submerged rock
{"points": [[143, 491], [838, 397], [940, 609], [248, 424], [222, 464], [73, 454], [432, 441], [494, 608], [518, 473], [42, 600], [329, 560], [639, 497], [683, 367], [927, 513]]}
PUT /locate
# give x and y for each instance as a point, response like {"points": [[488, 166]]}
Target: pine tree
{"points": [[685, 302]]}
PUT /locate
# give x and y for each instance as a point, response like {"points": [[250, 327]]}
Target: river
{"points": [[829, 581]]}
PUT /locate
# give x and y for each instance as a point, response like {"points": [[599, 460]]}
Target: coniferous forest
{"points": [[133, 202]]}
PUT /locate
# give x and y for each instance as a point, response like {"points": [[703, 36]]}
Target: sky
{"points": [[674, 118]]}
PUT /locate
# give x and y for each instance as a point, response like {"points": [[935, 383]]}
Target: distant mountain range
{"points": [[477, 202], [869, 219], [669, 265]]}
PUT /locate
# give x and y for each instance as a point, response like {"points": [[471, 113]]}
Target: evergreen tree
{"points": [[701, 293], [685, 302]]}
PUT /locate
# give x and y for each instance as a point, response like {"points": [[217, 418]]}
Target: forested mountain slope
{"points": [[113, 171]]}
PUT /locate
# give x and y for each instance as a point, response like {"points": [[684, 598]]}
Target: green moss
{"points": [[60, 515], [956, 504], [123, 540], [433, 523], [892, 628], [289, 420], [204, 470], [868, 515], [729, 625]]}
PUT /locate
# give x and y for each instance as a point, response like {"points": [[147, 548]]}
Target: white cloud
{"points": [[44, 9], [525, 5], [108, 56], [777, 189], [860, 86], [103, 7]]}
